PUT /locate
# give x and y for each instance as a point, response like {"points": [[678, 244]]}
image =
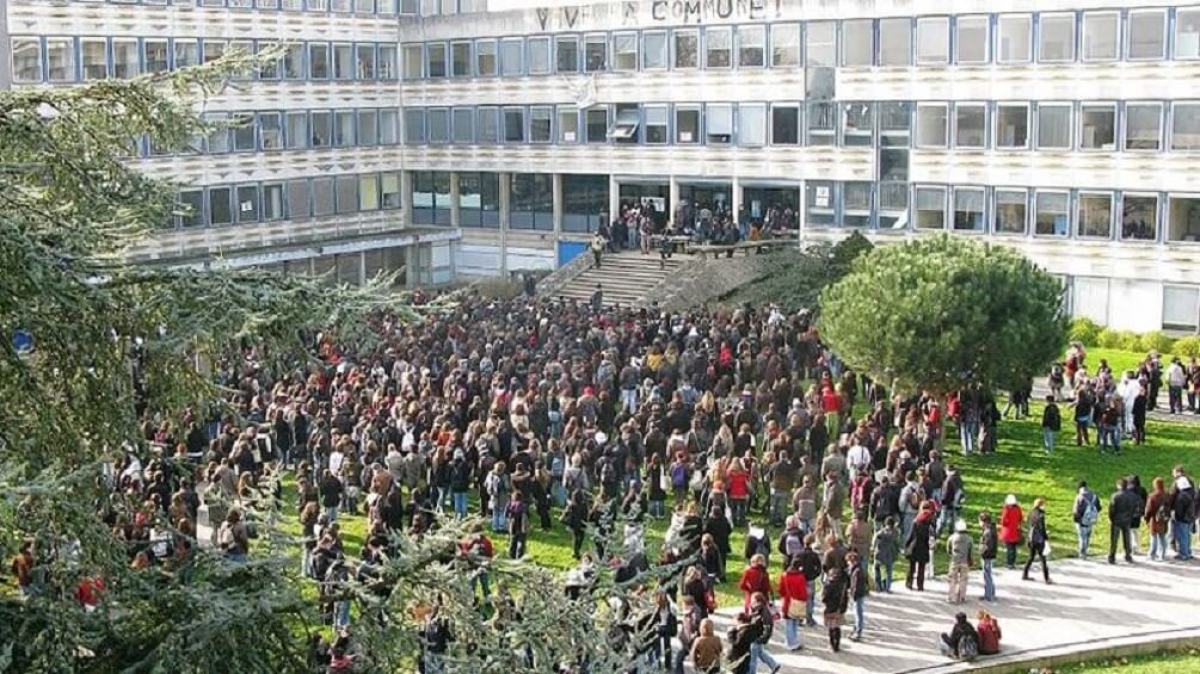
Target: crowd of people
{"points": [[642, 225], [537, 414]]}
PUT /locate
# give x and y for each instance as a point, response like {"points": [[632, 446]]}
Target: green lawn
{"points": [[1186, 661], [1119, 360]]}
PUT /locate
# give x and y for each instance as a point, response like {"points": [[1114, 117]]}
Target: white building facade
{"points": [[483, 143]]}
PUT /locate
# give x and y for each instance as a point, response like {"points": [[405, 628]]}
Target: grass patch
{"points": [[1158, 663]]}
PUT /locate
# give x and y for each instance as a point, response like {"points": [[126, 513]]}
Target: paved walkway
{"points": [[1159, 413], [1089, 602]]}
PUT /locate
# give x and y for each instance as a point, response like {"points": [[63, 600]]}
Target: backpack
{"points": [[989, 638], [1163, 514], [1090, 512], [968, 648], [679, 476], [793, 545]]}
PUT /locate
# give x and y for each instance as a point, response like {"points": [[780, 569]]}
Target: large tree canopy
{"points": [[944, 313]]}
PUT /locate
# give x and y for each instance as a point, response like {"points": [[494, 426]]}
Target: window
{"points": [[1143, 126], [1097, 127], [1011, 211], [218, 135], [298, 204], [187, 53], [1094, 215], [856, 204], [343, 130], [460, 59], [1051, 213], [654, 50], [539, 55], [1139, 217], [1056, 38], [479, 199], [895, 42], [1183, 219], [463, 126], [1181, 308], [414, 126], [718, 119], [822, 123], [364, 6], [60, 59], [1187, 33], [971, 39], [247, 203], [625, 57], [1101, 35], [1012, 126], [968, 209], [213, 50], [895, 118], [1185, 126], [893, 206], [293, 62], [514, 125], [718, 47], [272, 201], [595, 53], [368, 192], [318, 61], [656, 125], [270, 130], [585, 199], [486, 128], [931, 125], [1014, 38], [566, 54], [1054, 126], [1147, 34], [858, 126], [858, 39], [930, 205], [485, 58], [687, 125], [437, 121], [365, 61], [343, 61], [322, 128], [368, 129], [389, 189], [219, 209], [531, 201], [970, 126], [785, 45], [540, 120], [27, 59], [435, 59], [596, 125], [752, 125], [933, 41], [93, 53], [752, 45], [512, 57], [687, 48], [347, 194], [340, 6], [297, 130], [414, 61], [191, 207], [785, 124], [389, 127], [158, 56], [568, 124]]}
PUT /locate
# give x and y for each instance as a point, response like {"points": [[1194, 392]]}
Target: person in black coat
{"points": [[916, 547], [745, 633], [1037, 539], [835, 596]]}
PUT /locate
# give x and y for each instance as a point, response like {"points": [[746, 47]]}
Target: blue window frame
{"points": [[435, 60], [512, 57], [463, 126], [414, 126], [318, 61]]}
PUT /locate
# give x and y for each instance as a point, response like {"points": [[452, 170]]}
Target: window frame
{"points": [[507, 110], [916, 209], [796, 31], [1083, 39], [1175, 106], [665, 124], [535, 111], [982, 192], [84, 41], [566, 39], [918, 143], [842, 42], [619, 50], [979, 105], [995, 214], [506, 51], [739, 36], [480, 53], [925, 21], [690, 108], [744, 110], [455, 128], [1071, 124], [997, 140], [566, 111], [469, 63], [432, 49], [1084, 107], [531, 48], [593, 39], [709, 32], [664, 52], [71, 62], [1177, 24], [27, 41], [1164, 32], [1072, 21], [985, 43], [882, 31], [1000, 20], [694, 34], [1125, 126], [1068, 212], [798, 131], [1078, 213], [1158, 216]]}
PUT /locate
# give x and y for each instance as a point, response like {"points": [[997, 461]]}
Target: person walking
{"points": [[1011, 520], [987, 553], [707, 649], [1085, 513], [885, 548], [859, 588], [810, 563], [1158, 518], [1051, 424], [835, 597], [755, 579], [1038, 539], [1123, 508], [741, 638], [960, 549], [793, 589], [916, 548], [763, 616], [598, 245]]}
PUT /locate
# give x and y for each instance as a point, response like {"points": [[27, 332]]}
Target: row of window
{"points": [[366, 7], [296, 200], [1059, 126], [70, 59], [1150, 34], [295, 130]]}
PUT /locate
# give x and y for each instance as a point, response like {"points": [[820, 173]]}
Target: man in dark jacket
{"points": [[741, 637], [885, 502], [952, 644], [1123, 509], [987, 552], [1183, 506], [810, 562]]}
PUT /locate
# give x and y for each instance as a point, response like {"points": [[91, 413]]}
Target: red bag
{"points": [[710, 600]]}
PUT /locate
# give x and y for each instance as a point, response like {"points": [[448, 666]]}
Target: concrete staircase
{"points": [[626, 278]]}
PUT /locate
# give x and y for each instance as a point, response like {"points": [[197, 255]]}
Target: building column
{"points": [[406, 197], [614, 198], [557, 194], [455, 206], [505, 210], [672, 198], [802, 207], [410, 265], [735, 186], [362, 268]]}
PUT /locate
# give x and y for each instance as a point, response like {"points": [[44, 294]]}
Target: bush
{"points": [[1156, 341], [1084, 331], [1109, 339], [1187, 347]]}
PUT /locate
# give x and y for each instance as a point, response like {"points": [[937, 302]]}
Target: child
{"points": [[1051, 424]]}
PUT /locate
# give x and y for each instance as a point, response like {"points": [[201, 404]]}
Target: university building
{"points": [[458, 142]]}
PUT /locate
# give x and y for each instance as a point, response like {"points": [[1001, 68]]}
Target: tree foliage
{"points": [[794, 278], [943, 313]]}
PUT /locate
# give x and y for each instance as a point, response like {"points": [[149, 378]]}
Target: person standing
{"points": [[835, 596], [1038, 539], [1123, 508], [1011, 519], [793, 589], [1158, 517], [741, 638], [960, 549], [916, 548], [707, 648], [810, 563], [1085, 513], [858, 593], [1176, 381], [517, 514], [598, 244], [1051, 424], [987, 553], [885, 547]]}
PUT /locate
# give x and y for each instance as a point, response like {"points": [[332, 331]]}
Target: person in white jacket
{"points": [[1176, 382]]}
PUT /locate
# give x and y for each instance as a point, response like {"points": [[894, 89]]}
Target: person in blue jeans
{"points": [[1051, 424], [858, 594], [760, 610], [988, 545], [1183, 505]]}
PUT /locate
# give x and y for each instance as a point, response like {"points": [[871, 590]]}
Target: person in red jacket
{"points": [[755, 579], [793, 588], [1011, 519], [739, 491]]}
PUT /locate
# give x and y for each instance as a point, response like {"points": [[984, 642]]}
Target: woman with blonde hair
{"points": [[707, 649]]}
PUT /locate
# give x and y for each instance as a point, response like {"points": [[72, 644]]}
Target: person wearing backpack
{"points": [[988, 630], [810, 563], [962, 643], [1123, 508], [791, 542], [1158, 517], [1051, 424], [793, 589], [764, 616], [1086, 513]]}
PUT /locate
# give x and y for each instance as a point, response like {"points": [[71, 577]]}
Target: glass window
{"points": [[368, 192], [785, 45], [270, 130], [514, 125], [1054, 126], [752, 126], [970, 126], [718, 47], [293, 62], [272, 201], [512, 57], [718, 124], [60, 59], [531, 201], [340, 6], [856, 204], [1014, 38], [486, 128], [1147, 34], [364, 6], [213, 50], [568, 124], [931, 125], [435, 59], [687, 48], [1098, 127], [298, 204], [596, 125], [27, 59], [625, 55], [895, 42], [191, 207], [438, 122], [656, 124], [1051, 214], [347, 194], [247, 203], [343, 130], [585, 198], [930, 205], [1143, 126], [624, 127], [1010, 214], [785, 124], [968, 209], [654, 50], [540, 121], [933, 40], [1139, 217], [365, 55], [971, 39], [1181, 308], [389, 189], [539, 55], [822, 124], [1056, 38], [485, 58], [566, 54], [187, 53], [368, 128], [318, 61], [158, 55], [858, 39], [858, 126], [414, 126], [893, 205], [219, 209], [389, 127], [1012, 126], [94, 55], [414, 61], [752, 45], [895, 119], [1187, 33], [321, 122], [687, 125], [1185, 126], [297, 130], [595, 53], [343, 61], [463, 126], [1094, 214], [478, 195], [218, 136], [386, 62], [1101, 35], [460, 59], [1183, 218]]}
